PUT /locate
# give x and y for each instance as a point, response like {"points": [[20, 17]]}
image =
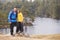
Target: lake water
{"points": [[41, 26]]}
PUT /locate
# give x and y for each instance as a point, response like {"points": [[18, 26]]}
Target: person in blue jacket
{"points": [[12, 18]]}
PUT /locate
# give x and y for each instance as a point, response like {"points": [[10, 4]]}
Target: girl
{"points": [[19, 22]]}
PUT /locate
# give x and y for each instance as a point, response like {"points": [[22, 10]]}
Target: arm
{"points": [[9, 16], [22, 17]]}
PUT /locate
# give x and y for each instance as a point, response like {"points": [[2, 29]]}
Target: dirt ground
{"points": [[32, 37]]}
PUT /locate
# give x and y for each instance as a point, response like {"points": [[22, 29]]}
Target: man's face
{"points": [[15, 9]]}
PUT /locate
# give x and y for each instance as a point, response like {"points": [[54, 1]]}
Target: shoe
{"points": [[27, 35], [21, 34], [13, 35]]}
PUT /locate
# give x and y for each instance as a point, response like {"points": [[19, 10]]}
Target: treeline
{"points": [[41, 8]]}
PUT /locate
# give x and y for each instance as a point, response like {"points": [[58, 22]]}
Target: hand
{"points": [[9, 22], [21, 22]]}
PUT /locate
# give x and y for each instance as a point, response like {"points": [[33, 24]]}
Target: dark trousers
{"points": [[19, 27], [12, 26]]}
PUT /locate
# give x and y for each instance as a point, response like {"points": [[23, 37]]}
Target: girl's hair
{"points": [[19, 11]]}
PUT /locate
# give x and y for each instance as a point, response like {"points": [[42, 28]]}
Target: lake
{"points": [[41, 26]]}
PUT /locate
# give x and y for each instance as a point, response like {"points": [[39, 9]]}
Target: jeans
{"points": [[19, 27], [12, 26]]}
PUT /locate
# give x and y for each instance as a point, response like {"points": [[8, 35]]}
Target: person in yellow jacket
{"points": [[20, 19]]}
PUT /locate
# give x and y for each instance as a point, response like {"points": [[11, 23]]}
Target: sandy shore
{"points": [[32, 37]]}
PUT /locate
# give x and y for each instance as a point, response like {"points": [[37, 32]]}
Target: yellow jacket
{"points": [[20, 17]]}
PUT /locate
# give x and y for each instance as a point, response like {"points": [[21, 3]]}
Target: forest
{"points": [[38, 8]]}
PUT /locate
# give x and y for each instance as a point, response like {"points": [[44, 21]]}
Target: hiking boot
{"points": [[13, 35], [22, 34], [27, 35]]}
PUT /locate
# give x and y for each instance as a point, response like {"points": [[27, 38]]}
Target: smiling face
{"points": [[19, 11]]}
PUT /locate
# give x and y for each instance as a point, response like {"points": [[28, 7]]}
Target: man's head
{"points": [[15, 9]]}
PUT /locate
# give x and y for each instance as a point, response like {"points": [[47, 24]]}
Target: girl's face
{"points": [[18, 11]]}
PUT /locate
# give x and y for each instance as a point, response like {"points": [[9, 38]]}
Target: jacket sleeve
{"points": [[9, 16], [22, 15]]}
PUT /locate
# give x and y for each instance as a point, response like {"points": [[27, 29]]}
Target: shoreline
{"points": [[32, 37]]}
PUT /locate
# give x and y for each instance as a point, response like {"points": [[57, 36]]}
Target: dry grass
{"points": [[33, 37], [51, 37]]}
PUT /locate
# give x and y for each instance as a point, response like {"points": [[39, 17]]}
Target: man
{"points": [[12, 19]]}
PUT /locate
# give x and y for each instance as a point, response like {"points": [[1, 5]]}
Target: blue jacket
{"points": [[12, 15]]}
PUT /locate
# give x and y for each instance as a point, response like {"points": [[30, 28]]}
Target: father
{"points": [[12, 18]]}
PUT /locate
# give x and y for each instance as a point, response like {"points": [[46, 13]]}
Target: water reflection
{"points": [[41, 26]]}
